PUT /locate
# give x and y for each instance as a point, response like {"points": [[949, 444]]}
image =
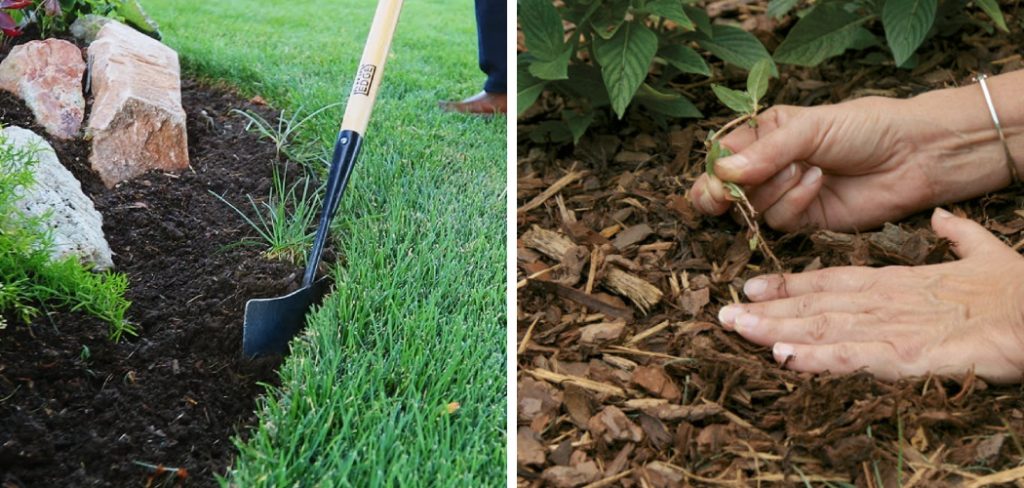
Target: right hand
{"points": [[850, 166]]}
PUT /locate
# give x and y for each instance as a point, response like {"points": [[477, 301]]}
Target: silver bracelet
{"points": [[1010, 163]]}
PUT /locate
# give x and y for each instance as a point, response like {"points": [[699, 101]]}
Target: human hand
{"points": [[855, 165], [897, 321]]}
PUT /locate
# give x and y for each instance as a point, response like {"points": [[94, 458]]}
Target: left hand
{"points": [[897, 321]]}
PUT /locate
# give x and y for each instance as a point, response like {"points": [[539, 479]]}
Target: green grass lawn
{"points": [[418, 316]]}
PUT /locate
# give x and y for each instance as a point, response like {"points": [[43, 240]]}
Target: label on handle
{"points": [[364, 80]]}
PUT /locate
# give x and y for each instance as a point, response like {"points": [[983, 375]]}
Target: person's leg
{"points": [[491, 18]]}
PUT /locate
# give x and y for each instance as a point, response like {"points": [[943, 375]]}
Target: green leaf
{"points": [[585, 82], [551, 131], [700, 19], [577, 123], [715, 153], [738, 101], [671, 104], [608, 20], [625, 60], [734, 189], [991, 8], [671, 10], [528, 88], [779, 8], [542, 29], [735, 45], [133, 14], [680, 107], [863, 39], [552, 69], [906, 24], [826, 31], [685, 59], [757, 80]]}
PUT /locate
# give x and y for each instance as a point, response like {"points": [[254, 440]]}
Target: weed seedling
{"points": [[283, 134], [747, 104], [284, 221], [85, 354]]}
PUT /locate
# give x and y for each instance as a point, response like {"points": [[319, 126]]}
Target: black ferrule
{"points": [[346, 150]]}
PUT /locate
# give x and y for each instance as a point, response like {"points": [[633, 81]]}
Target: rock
{"points": [[137, 122], [47, 75], [86, 27], [77, 226]]}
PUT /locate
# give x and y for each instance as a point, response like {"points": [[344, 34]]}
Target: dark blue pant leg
{"points": [[491, 19]]}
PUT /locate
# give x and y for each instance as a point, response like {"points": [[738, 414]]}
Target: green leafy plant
{"points": [[831, 27], [29, 277], [284, 221], [52, 16], [747, 104], [617, 53]]}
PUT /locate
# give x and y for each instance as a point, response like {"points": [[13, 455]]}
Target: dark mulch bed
{"points": [[666, 397], [178, 392]]}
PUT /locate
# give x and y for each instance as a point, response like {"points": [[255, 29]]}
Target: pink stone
{"points": [[47, 75], [137, 122]]}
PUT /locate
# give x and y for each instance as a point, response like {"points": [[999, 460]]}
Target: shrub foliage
{"points": [[29, 278]]}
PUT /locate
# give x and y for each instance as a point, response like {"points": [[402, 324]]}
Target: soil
{"points": [[176, 394], [625, 377]]}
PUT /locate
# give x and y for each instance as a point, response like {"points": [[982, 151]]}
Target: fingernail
{"points": [[942, 214], [811, 176], [782, 352], [791, 171], [746, 323], [755, 288], [736, 162], [727, 315]]}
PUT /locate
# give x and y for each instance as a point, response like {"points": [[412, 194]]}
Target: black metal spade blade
{"points": [[270, 323]]}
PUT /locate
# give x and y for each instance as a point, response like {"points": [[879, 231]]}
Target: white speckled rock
{"points": [[77, 226]]}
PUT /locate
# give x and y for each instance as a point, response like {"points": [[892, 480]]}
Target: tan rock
{"points": [[47, 75], [137, 122]]}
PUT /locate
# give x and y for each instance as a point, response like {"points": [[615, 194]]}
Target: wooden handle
{"points": [[371, 67]]}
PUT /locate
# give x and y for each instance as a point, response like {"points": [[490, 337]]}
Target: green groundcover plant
{"points": [[829, 28], [29, 278], [53, 16], [608, 54], [596, 54]]}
